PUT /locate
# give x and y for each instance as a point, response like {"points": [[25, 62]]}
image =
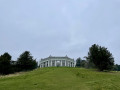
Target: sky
{"points": [[59, 27]]}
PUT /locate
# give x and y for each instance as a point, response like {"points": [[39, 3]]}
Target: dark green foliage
{"points": [[14, 66], [101, 57], [78, 61], [89, 64], [26, 62], [5, 66], [116, 67], [83, 63]]}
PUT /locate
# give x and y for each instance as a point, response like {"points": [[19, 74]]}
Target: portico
{"points": [[57, 62]]}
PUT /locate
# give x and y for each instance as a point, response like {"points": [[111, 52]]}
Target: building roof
{"points": [[52, 57]]}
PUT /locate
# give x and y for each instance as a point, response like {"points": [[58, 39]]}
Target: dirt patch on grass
{"points": [[12, 75]]}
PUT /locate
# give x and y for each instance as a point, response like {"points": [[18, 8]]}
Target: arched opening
{"points": [[58, 63]]}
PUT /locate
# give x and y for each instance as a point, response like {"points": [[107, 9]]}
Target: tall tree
{"points": [[101, 57], [26, 62], [78, 61], [5, 67]]}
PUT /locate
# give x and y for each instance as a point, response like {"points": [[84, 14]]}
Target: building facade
{"points": [[52, 61]]}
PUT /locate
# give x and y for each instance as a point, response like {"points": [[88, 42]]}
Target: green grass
{"points": [[62, 78]]}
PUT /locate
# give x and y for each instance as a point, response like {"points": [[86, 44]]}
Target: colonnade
{"points": [[54, 63]]}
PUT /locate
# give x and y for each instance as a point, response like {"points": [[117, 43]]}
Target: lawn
{"points": [[61, 78]]}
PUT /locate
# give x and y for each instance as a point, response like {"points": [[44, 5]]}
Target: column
{"points": [[69, 63], [65, 63], [41, 65], [46, 64], [61, 63], [55, 63], [51, 63], [74, 64]]}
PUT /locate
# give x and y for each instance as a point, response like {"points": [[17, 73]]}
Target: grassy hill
{"points": [[61, 78]]}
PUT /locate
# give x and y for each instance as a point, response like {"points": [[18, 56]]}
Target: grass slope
{"points": [[62, 78]]}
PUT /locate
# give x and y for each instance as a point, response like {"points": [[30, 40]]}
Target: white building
{"points": [[52, 61]]}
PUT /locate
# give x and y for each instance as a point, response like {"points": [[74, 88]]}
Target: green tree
{"points": [[116, 67], [5, 66], [101, 57], [83, 63], [89, 64], [26, 62], [78, 61]]}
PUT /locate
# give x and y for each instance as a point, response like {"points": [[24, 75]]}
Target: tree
{"points": [[26, 62], [89, 64], [116, 67], [14, 66], [5, 67], [83, 63], [101, 57], [78, 61]]}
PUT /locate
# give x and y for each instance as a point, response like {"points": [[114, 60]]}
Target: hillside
{"points": [[61, 78]]}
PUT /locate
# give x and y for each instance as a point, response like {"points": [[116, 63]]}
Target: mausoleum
{"points": [[53, 61]]}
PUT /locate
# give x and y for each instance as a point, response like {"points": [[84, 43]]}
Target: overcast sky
{"points": [[59, 27]]}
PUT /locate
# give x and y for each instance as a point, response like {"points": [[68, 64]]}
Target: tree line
{"points": [[25, 62], [100, 58]]}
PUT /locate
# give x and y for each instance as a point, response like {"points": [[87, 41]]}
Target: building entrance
{"points": [[58, 63]]}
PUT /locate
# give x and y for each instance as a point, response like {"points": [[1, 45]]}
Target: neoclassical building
{"points": [[53, 61]]}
